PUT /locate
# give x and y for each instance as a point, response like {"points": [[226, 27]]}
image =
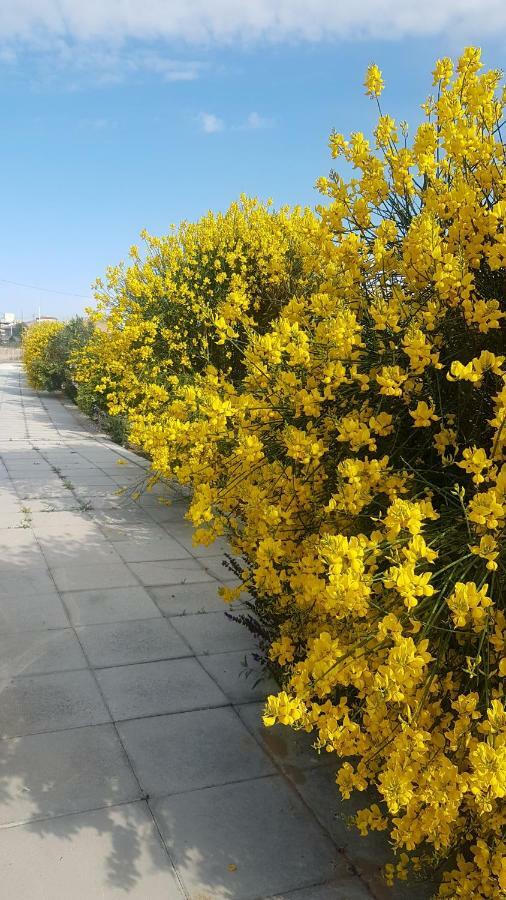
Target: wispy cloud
{"points": [[168, 69], [77, 64], [228, 21], [254, 122], [107, 42], [210, 123]]}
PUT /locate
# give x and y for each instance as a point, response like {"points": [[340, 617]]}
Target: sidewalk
{"points": [[133, 762]]}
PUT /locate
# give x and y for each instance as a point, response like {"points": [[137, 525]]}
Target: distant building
{"points": [[10, 328], [7, 326]]}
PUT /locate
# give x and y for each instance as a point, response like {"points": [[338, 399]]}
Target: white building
{"points": [[7, 324]]}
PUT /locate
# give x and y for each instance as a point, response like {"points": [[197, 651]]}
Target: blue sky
{"points": [[114, 123]]}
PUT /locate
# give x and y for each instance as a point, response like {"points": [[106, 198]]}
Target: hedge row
{"points": [[333, 389]]}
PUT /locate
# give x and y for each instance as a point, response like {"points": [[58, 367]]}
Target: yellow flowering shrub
{"points": [[190, 300], [38, 359], [353, 448]]}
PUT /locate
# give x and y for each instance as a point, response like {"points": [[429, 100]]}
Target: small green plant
{"points": [[27, 517]]}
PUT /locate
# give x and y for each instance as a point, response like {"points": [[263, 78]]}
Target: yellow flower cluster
{"points": [[334, 393], [162, 320], [36, 349]]}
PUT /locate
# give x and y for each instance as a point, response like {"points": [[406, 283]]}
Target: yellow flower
{"points": [[391, 379], [486, 510], [283, 709], [469, 605], [443, 71], [423, 415], [488, 779], [282, 650], [487, 549], [373, 83], [474, 461]]}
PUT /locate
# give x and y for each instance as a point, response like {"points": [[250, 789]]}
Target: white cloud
{"points": [[255, 122], [228, 20], [210, 123], [75, 64], [168, 69], [107, 42]]}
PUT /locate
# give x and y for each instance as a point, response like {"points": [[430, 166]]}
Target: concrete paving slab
{"points": [[41, 492], [368, 854], [191, 750], [125, 469], [220, 546], [123, 517], [45, 775], [350, 888], [122, 643], [29, 611], [218, 566], [292, 750], [85, 577], [213, 633], [15, 559], [61, 456], [39, 652], [181, 530], [96, 503], [19, 581], [37, 479], [132, 478], [239, 676], [55, 504], [185, 599], [108, 854], [142, 531], [259, 827], [176, 571], [160, 513], [91, 553], [37, 703], [93, 492], [11, 517], [109, 605], [149, 551], [91, 477], [10, 506], [8, 494], [19, 468], [156, 688], [100, 455], [68, 525], [16, 541]]}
